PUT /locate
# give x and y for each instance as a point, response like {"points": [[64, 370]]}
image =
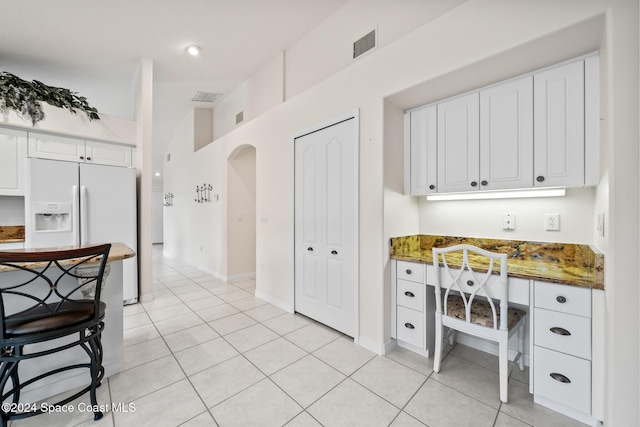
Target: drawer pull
{"points": [[310, 249], [334, 252], [560, 331], [408, 271], [561, 299], [469, 282], [559, 377], [409, 294], [409, 326]]}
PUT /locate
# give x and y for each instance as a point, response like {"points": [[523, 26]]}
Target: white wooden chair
{"points": [[474, 304]]}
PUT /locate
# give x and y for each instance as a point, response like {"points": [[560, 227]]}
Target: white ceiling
{"points": [[104, 41]]}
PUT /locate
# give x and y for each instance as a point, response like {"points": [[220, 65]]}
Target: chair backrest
{"points": [[41, 283], [468, 269]]}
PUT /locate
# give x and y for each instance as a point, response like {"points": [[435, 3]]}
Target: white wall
{"points": [[195, 231], [241, 213], [483, 218], [328, 48], [475, 32], [257, 95], [158, 214]]}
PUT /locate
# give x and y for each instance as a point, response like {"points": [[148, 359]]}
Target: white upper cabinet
{"points": [[108, 154], [68, 149], [13, 151], [55, 147], [559, 153], [458, 144], [422, 129], [537, 130], [506, 135]]}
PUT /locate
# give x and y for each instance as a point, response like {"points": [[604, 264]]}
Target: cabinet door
{"points": [[423, 150], [55, 147], [108, 154], [458, 144], [559, 126], [13, 150], [506, 135]]}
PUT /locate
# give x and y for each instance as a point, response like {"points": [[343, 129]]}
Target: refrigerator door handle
{"points": [[76, 212], [83, 215]]}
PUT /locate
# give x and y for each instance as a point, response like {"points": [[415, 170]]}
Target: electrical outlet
{"points": [[508, 221], [552, 222]]}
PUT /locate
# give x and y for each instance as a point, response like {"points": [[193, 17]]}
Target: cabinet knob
{"points": [[560, 331], [409, 326], [559, 377], [540, 178], [561, 299], [409, 294], [469, 282], [88, 158], [408, 271], [474, 184], [81, 157], [484, 183], [310, 249], [432, 187], [334, 252]]}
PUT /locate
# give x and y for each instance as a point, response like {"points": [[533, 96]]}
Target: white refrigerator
{"points": [[69, 203]]}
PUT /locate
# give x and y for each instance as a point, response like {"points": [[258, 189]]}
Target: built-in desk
{"points": [[560, 285], [112, 338]]}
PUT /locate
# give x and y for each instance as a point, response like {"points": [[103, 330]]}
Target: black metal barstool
{"points": [[46, 295]]}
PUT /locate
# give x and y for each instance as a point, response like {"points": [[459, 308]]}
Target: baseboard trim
{"points": [[241, 277], [376, 347], [274, 301]]}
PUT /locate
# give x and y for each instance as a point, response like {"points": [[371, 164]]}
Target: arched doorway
{"points": [[241, 214]]}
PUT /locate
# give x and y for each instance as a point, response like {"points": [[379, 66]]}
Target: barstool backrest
{"points": [[40, 290]]}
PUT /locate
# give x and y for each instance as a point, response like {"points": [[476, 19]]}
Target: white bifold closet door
{"points": [[326, 225]]}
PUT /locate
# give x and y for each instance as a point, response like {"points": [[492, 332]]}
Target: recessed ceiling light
{"points": [[194, 50], [157, 173]]}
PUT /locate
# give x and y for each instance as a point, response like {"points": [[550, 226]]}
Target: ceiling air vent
{"points": [[205, 96], [239, 117], [364, 44]]}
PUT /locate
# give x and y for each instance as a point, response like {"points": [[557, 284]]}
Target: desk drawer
{"points": [[410, 294], [563, 298], [410, 327], [411, 271], [576, 393], [563, 332]]}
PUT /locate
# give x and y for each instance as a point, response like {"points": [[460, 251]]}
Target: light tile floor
{"points": [[207, 353]]}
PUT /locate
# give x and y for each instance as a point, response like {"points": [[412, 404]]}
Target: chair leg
{"points": [[96, 369], [437, 354], [452, 337], [503, 361], [521, 346]]}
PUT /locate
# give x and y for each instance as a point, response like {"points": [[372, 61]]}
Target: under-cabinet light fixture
{"points": [[504, 194]]}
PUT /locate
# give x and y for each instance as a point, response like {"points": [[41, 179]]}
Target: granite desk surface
{"points": [[118, 252], [565, 263]]}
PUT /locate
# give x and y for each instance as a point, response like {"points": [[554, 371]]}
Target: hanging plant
{"points": [[26, 97]]}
